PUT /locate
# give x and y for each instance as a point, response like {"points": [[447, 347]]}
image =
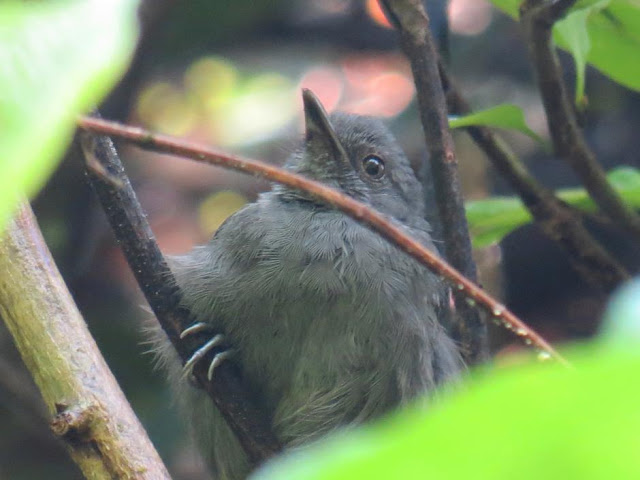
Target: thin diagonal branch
{"points": [[412, 23], [537, 18], [231, 397], [351, 207], [555, 218]]}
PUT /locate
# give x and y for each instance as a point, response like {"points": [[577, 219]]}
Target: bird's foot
{"points": [[215, 341]]}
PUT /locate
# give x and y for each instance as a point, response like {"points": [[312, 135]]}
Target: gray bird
{"points": [[331, 325]]}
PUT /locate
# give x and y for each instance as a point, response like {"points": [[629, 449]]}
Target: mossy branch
{"points": [[89, 411]]}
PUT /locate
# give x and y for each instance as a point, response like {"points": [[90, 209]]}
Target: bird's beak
{"points": [[318, 130]]}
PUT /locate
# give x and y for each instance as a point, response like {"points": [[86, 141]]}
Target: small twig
{"points": [[555, 218], [64, 360], [412, 23], [73, 423], [356, 210], [164, 296], [537, 18]]}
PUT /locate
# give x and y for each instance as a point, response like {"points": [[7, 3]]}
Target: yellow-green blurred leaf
{"points": [[57, 59], [527, 423]]}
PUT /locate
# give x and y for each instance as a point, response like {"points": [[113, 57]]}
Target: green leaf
{"points": [[572, 31], [531, 423], [510, 7], [492, 218], [58, 59], [615, 42], [626, 180], [502, 116], [613, 36]]}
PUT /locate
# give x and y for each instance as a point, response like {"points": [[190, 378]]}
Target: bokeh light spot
{"points": [[265, 105], [210, 81], [377, 15], [162, 107], [469, 17], [378, 85], [327, 83], [389, 94], [217, 208]]}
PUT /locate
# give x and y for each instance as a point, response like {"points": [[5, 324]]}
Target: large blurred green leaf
{"points": [[493, 218], [57, 59], [537, 422], [506, 115], [613, 36]]}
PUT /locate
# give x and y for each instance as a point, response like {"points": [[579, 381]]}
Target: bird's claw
{"points": [[217, 360], [201, 352], [195, 328]]}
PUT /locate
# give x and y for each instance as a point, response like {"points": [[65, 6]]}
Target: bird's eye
{"points": [[373, 166]]}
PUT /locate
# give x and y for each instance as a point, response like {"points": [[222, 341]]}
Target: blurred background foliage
{"points": [[229, 74]]}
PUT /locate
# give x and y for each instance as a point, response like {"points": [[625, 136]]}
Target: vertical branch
{"points": [[231, 397], [90, 413], [412, 23], [538, 18]]}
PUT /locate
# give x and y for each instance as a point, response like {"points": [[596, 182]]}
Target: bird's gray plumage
{"points": [[332, 325]]}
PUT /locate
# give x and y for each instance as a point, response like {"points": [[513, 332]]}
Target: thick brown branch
{"points": [[356, 210], [156, 281], [555, 218], [412, 23], [104, 437], [537, 18]]}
